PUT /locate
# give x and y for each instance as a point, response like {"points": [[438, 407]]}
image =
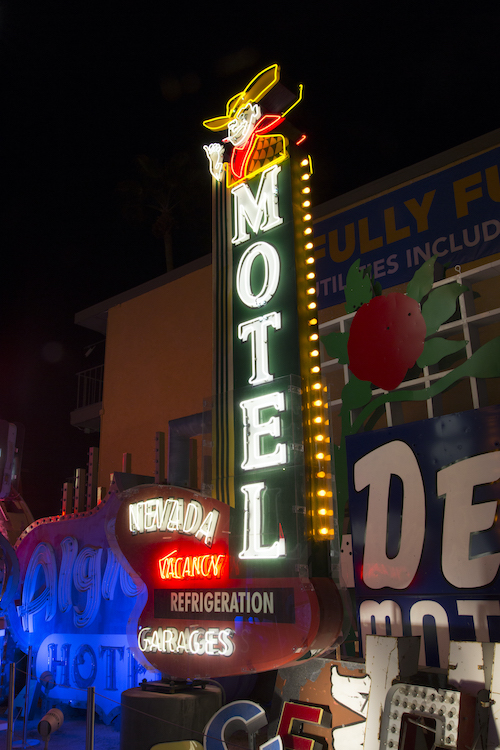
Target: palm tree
{"points": [[151, 198]]}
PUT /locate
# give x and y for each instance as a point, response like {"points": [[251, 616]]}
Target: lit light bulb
{"points": [[312, 305], [307, 217], [309, 260], [311, 275], [313, 337], [306, 204], [311, 290], [306, 190], [309, 245]]}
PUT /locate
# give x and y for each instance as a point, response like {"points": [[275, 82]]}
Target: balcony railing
{"points": [[89, 388]]}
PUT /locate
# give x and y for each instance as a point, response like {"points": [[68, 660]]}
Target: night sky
{"points": [[88, 88]]}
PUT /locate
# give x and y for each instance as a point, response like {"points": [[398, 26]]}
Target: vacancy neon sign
{"points": [[191, 566]]}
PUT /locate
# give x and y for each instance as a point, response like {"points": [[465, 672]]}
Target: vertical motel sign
{"points": [[233, 580], [271, 446]]}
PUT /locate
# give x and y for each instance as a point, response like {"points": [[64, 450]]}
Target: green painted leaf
{"points": [[356, 393], [440, 305], [422, 281], [485, 363], [436, 349], [358, 287], [336, 346]]}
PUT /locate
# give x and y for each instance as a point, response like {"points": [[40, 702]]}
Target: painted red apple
{"points": [[386, 339]]}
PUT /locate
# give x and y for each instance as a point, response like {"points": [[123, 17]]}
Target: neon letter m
{"points": [[261, 212]]}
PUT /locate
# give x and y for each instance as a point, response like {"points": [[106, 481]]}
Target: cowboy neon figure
{"points": [[246, 131]]}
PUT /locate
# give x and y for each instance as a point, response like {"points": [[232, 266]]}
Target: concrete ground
{"points": [[71, 736], [72, 733]]}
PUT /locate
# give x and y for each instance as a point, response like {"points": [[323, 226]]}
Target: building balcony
{"points": [[87, 415]]}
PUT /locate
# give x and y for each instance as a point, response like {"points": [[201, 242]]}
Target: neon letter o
{"points": [[85, 682], [271, 274]]}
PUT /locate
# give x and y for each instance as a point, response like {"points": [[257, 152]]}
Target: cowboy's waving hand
{"points": [[215, 153]]}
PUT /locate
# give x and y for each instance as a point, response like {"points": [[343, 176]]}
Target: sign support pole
{"points": [[10, 724]]}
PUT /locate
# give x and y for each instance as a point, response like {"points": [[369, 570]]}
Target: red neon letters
{"points": [[203, 566]]}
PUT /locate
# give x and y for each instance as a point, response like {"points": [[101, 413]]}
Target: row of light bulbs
{"points": [[322, 513]]}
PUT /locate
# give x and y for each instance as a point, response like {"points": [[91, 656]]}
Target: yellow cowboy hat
{"points": [[256, 89]]}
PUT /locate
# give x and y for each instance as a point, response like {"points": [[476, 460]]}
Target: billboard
{"points": [[424, 503], [452, 213]]}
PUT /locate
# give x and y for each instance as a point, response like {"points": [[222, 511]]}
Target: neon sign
{"points": [[266, 253], [172, 514], [248, 132], [252, 535], [261, 443], [261, 212], [236, 623], [273, 455], [240, 600], [73, 601], [254, 430], [180, 568], [197, 642]]}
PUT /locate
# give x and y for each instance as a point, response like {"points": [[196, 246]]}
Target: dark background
{"points": [[87, 88]]}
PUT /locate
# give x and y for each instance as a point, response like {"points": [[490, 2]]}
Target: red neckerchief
{"points": [[241, 156]]}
